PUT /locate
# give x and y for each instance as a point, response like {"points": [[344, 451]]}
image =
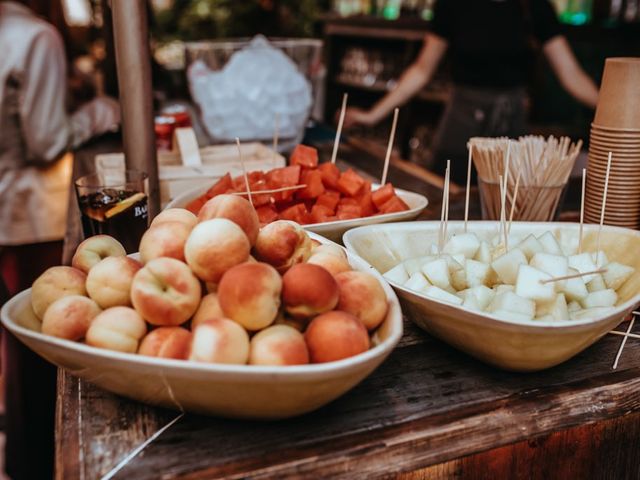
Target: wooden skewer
{"points": [[503, 199], [574, 275], [623, 334], [604, 206], [584, 181], [466, 199], [513, 201], [276, 133], [624, 341], [275, 190], [336, 142], [389, 147], [244, 172], [446, 210], [442, 211]]}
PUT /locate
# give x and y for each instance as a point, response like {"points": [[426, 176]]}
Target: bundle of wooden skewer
{"points": [[536, 171]]}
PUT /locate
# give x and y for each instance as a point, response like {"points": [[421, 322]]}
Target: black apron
{"points": [[476, 112]]}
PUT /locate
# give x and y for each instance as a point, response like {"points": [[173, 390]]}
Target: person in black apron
{"points": [[490, 43]]}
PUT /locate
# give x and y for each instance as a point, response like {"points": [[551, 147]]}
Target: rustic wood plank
{"points": [[427, 404], [605, 450]]}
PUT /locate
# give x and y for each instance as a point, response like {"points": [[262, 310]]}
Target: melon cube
{"points": [[599, 258], [482, 294], [557, 308], [596, 284], [568, 242], [529, 284], [546, 318], [484, 253], [530, 246], [550, 244], [617, 274], [574, 307], [511, 316], [437, 272], [505, 288], [466, 244], [510, 302], [574, 288], [506, 266], [413, 265], [583, 263], [602, 298], [397, 274], [439, 294], [554, 265], [477, 273], [471, 302], [459, 280], [590, 313], [417, 282]]}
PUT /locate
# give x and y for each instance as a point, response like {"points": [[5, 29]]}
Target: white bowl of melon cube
{"points": [[507, 307]]}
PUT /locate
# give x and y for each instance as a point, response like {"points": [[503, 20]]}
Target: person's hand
{"points": [[356, 116]]}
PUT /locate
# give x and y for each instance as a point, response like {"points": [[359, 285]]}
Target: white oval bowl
{"points": [[508, 344], [238, 391], [334, 230]]}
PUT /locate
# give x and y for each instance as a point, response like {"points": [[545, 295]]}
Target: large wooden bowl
{"points": [[239, 391], [508, 344], [334, 230]]}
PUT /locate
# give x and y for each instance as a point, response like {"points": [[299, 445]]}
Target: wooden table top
{"points": [[426, 404]]}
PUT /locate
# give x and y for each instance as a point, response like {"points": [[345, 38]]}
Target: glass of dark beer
{"points": [[114, 203]]}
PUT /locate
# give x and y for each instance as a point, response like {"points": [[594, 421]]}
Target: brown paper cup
{"points": [[619, 99]]}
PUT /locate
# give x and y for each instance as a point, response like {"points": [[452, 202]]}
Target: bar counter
{"points": [[428, 412]]}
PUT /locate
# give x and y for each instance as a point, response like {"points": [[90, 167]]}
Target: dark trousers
{"points": [[476, 112], [30, 381]]}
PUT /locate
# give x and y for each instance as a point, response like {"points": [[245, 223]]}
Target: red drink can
{"points": [[180, 114], [164, 128]]}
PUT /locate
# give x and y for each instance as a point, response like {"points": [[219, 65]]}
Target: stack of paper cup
{"points": [[616, 129]]}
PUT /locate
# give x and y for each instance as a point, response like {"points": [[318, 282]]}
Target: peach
{"points": [[330, 248], [209, 309], [215, 246], [362, 295], [164, 240], [220, 341], [55, 283], [334, 264], [109, 282], [117, 328], [70, 317], [94, 249], [282, 244], [298, 323], [335, 335], [249, 294], [165, 292], [181, 215], [234, 208], [166, 342], [308, 290], [278, 345]]}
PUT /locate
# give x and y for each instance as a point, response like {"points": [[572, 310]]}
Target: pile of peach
{"points": [[272, 296]]}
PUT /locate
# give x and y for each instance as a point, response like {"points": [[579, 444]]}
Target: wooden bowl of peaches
{"points": [[213, 315]]}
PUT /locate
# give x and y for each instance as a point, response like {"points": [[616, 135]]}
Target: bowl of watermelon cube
{"points": [[319, 196]]}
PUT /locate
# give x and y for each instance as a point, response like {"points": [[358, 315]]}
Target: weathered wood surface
{"points": [[428, 409], [604, 450], [427, 404]]}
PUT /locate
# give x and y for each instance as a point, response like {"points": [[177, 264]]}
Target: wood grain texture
{"points": [[428, 409], [604, 450], [427, 404]]}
